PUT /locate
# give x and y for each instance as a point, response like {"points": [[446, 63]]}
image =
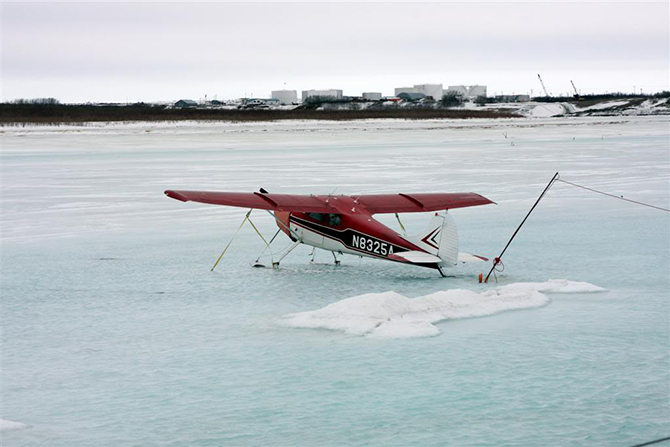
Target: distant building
{"points": [[407, 96], [433, 90], [468, 91], [512, 98], [285, 96], [399, 90], [372, 96], [185, 103], [257, 103], [330, 94]]}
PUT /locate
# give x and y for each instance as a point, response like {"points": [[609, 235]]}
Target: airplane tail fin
{"points": [[449, 247], [440, 239]]}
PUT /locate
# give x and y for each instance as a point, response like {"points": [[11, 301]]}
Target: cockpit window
{"points": [[334, 220]]}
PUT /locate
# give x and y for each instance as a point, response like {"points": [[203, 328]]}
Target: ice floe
{"points": [[391, 315], [11, 425]]}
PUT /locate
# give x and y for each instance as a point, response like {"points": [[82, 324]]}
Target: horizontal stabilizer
{"points": [[415, 257], [467, 257]]}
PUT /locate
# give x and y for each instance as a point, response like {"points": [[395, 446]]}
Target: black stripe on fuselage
{"points": [[352, 239]]}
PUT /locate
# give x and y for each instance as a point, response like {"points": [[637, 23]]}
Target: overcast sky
{"points": [[97, 51]]}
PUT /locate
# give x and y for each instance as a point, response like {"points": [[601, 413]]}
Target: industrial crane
{"points": [[576, 95], [543, 87]]}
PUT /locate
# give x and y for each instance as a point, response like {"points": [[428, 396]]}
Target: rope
{"points": [[655, 441], [231, 240], [612, 195], [497, 261]]}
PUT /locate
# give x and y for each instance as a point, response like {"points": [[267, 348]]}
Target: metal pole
{"points": [[496, 261]]}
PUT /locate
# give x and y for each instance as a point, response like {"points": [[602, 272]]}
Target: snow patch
{"points": [[551, 109], [604, 105], [391, 315], [11, 425]]}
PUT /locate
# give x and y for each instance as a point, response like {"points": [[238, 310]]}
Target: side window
{"points": [[316, 216], [334, 220]]}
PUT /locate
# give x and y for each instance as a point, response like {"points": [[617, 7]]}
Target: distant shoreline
{"points": [[17, 114]]}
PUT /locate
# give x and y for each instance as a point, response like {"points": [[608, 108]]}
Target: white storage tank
{"points": [[372, 96], [434, 90], [468, 91], [285, 96], [330, 93], [477, 90], [459, 90]]}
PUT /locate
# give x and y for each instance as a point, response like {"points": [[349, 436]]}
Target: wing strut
{"points": [[231, 240], [267, 244]]}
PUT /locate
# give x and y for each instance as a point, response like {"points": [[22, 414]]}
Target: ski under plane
{"points": [[344, 224]]}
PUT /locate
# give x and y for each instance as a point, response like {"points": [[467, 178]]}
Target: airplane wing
{"points": [[275, 202], [419, 203], [375, 204]]}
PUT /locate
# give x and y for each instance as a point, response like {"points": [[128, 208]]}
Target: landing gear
{"points": [[313, 255], [275, 264], [439, 269]]}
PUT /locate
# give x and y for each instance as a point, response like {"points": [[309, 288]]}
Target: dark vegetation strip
{"points": [[65, 113], [602, 97]]}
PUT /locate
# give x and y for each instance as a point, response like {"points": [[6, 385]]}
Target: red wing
{"points": [[277, 202], [417, 203]]}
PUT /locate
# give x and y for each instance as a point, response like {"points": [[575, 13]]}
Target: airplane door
{"points": [[307, 236], [312, 238]]}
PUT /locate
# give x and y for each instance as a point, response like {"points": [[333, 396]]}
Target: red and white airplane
{"points": [[344, 224]]}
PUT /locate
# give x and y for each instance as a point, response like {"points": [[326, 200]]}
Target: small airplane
{"points": [[345, 224]]}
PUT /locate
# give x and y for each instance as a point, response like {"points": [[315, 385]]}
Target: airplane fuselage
{"points": [[349, 229]]}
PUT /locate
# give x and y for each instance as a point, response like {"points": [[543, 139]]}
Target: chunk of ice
{"points": [[391, 315], [11, 425]]}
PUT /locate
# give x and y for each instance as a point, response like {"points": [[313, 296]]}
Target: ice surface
{"points": [[12, 425], [110, 314], [391, 315]]}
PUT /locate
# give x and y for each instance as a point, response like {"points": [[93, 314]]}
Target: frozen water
{"points": [[115, 332], [391, 315]]}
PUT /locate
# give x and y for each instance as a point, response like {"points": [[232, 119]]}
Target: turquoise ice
{"points": [[115, 332]]}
